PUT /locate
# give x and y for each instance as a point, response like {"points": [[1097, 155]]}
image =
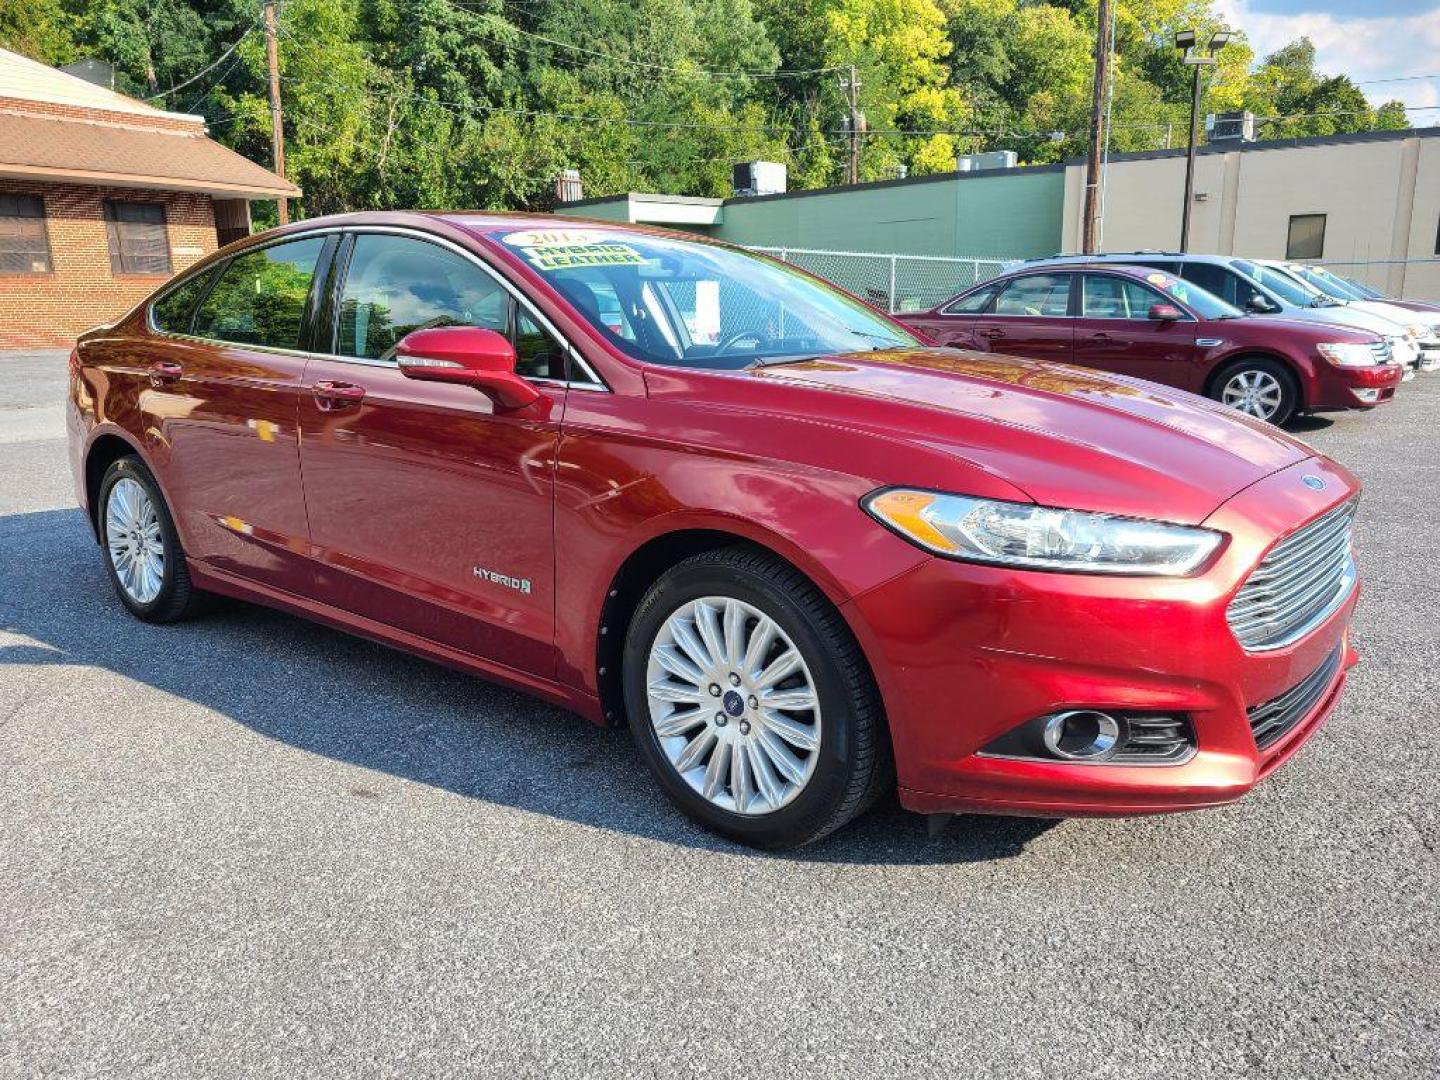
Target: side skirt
{"points": [[226, 584]]}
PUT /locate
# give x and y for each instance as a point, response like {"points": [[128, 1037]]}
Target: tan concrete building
{"points": [[1368, 205]]}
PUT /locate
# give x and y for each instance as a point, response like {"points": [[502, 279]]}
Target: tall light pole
{"points": [[1186, 42]]}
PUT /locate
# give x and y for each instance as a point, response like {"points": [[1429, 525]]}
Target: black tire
{"points": [[855, 762], [1284, 378], [177, 598]]}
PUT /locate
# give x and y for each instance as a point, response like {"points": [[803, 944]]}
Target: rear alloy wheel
{"points": [[142, 549], [751, 701], [1258, 388]]}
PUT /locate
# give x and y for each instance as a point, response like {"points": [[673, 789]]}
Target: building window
{"points": [[139, 243], [1307, 237], [24, 245]]}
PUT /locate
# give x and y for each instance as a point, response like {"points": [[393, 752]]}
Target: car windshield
{"points": [[685, 304], [1205, 304], [1326, 283], [1288, 288], [1363, 289]]}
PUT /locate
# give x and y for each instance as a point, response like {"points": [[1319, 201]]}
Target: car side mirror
{"points": [[1260, 305], [1166, 313], [468, 356]]}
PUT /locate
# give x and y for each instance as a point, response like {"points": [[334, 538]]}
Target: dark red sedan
{"points": [[1143, 322], [668, 483]]}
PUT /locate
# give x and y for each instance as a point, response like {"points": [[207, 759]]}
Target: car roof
{"points": [[1109, 257]]}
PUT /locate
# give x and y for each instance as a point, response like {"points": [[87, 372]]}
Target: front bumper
{"points": [[965, 653], [1355, 387]]}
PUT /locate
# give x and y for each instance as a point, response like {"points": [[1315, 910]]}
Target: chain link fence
{"points": [[893, 283]]}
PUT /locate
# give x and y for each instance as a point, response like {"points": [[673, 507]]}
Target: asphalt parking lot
{"points": [[248, 845]]}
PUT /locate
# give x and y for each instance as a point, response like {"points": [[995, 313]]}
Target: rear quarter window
{"points": [[174, 313]]}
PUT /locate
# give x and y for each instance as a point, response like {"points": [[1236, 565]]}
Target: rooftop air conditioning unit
{"points": [[759, 178], [1230, 127], [994, 159]]}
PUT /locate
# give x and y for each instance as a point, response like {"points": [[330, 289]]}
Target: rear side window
{"points": [[175, 311], [139, 243], [1212, 278], [260, 296], [1037, 294], [396, 285], [24, 245], [975, 302]]}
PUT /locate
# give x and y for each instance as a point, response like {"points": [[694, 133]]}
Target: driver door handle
{"points": [[1100, 337], [990, 332], [333, 396]]}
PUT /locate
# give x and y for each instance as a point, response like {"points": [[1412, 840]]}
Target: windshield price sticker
{"points": [[559, 249]]}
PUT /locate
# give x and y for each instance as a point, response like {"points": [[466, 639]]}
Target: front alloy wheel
{"points": [[1258, 388], [733, 705], [751, 701]]}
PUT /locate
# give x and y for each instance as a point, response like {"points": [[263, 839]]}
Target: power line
{"points": [[205, 71], [494, 19]]}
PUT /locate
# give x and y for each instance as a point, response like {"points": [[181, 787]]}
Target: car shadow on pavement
{"points": [[332, 694]]}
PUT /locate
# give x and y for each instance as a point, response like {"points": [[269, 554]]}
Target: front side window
{"points": [[1105, 297], [1307, 237], [260, 296], [1272, 281], [396, 285], [690, 304], [139, 242], [975, 302], [24, 245], [1037, 294]]}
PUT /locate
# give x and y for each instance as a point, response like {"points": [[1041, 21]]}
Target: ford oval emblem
{"points": [[1314, 483]]}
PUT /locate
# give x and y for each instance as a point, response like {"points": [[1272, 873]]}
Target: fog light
{"points": [[1081, 735], [1367, 393]]}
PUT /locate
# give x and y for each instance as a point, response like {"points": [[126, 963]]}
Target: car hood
{"points": [[1347, 315], [1063, 435]]}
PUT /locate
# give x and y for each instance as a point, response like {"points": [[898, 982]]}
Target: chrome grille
{"points": [[1270, 720], [1297, 586], [1382, 350]]}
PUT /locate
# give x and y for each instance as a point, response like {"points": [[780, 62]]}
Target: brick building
{"points": [[102, 198]]}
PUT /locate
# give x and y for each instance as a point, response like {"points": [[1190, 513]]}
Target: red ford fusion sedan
{"points": [[666, 483], [1143, 322]]}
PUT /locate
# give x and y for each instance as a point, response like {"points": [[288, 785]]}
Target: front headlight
{"points": [[1039, 537], [1416, 331], [1347, 353]]}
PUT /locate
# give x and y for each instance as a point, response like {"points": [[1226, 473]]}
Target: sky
{"points": [[1365, 39]]}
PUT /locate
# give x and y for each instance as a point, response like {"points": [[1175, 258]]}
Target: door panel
{"points": [[430, 509], [431, 512], [1030, 317], [1115, 333], [229, 410]]}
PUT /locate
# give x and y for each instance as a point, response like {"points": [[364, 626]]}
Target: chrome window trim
{"points": [[598, 384]]}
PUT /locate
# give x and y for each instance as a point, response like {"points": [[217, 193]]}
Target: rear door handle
{"points": [[1100, 337], [331, 396], [162, 372]]}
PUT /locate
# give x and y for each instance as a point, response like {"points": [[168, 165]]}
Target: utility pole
{"points": [[853, 86], [1090, 237], [277, 129]]}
